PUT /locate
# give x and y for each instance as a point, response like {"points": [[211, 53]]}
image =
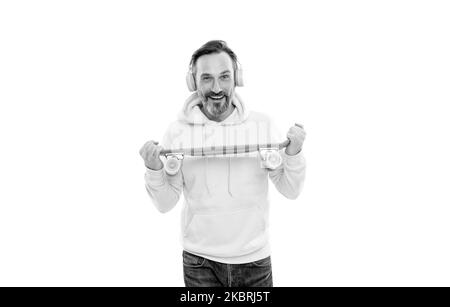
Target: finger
{"points": [[154, 146], [157, 151], [294, 130], [151, 151], [144, 149], [299, 132], [295, 136], [297, 127]]}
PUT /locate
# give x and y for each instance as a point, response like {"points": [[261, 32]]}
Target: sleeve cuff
{"points": [[292, 160], [155, 177]]}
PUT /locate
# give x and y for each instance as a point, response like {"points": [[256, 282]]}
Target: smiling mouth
{"points": [[216, 97]]}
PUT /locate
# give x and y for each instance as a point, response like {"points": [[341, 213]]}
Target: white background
{"points": [[84, 84]]}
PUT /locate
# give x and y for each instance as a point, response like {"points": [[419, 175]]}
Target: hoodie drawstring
{"points": [[228, 175], [229, 166], [205, 160], [206, 175]]}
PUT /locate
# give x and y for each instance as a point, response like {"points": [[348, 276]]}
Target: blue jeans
{"points": [[202, 272]]}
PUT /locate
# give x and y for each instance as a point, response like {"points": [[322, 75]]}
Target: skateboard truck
{"points": [[173, 162], [269, 155]]}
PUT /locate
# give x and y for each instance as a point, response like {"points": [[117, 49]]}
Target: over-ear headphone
{"points": [[190, 78]]}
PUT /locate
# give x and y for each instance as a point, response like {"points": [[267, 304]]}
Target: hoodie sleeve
{"points": [[289, 177], [163, 189]]}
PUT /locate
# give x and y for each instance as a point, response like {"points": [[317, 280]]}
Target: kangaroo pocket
{"points": [[228, 234]]}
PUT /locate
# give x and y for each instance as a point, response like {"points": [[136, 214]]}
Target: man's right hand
{"points": [[150, 153]]}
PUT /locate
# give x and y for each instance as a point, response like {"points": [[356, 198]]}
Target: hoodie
{"points": [[225, 215]]}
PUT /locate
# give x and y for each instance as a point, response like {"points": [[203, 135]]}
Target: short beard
{"points": [[218, 109], [215, 109]]}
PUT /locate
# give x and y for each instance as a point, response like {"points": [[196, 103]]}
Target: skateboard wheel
{"points": [[172, 165], [270, 158], [273, 160]]}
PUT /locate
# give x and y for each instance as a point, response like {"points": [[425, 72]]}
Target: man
{"points": [[225, 214]]}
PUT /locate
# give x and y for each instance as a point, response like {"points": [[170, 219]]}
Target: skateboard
{"points": [[269, 156]]}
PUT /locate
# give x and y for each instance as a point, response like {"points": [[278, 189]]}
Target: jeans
{"points": [[202, 272]]}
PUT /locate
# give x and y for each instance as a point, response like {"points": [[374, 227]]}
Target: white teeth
{"points": [[217, 97]]}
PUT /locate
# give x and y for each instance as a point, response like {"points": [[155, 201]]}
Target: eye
{"points": [[225, 77], [206, 78]]}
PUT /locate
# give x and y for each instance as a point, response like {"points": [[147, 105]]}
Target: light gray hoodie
{"points": [[225, 214]]}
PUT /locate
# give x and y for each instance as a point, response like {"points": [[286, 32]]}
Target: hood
{"points": [[191, 113]]}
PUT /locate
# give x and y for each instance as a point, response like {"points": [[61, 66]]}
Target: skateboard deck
{"points": [[270, 157], [224, 150]]}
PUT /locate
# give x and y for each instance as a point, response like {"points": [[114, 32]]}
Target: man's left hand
{"points": [[296, 136]]}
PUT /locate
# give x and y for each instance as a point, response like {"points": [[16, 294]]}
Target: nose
{"points": [[216, 87]]}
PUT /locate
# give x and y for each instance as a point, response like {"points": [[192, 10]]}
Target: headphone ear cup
{"points": [[190, 81], [238, 79]]}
